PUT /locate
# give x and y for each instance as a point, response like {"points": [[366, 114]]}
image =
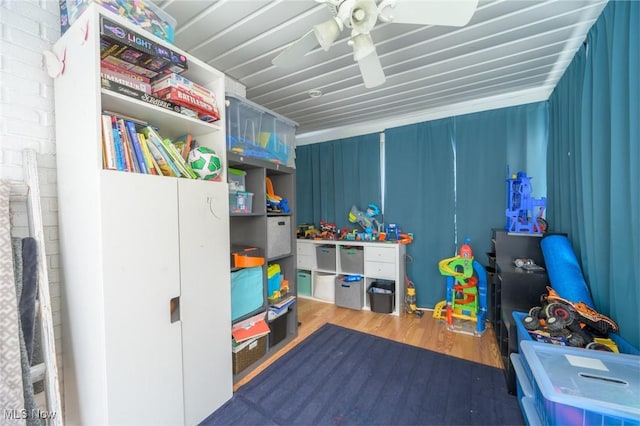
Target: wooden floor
{"points": [[425, 332]]}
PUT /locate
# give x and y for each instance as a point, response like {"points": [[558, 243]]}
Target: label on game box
{"points": [[168, 80], [189, 100], [158, 57], [122, 35], [125, 80], [125, 71]]}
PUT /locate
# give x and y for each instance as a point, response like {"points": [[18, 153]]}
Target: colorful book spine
{"points": [[151, 164], [174, 156], [153, 139], [163, 166], [133, 137], [132, 164], [108, 144], [182, 165], [117, 143]]}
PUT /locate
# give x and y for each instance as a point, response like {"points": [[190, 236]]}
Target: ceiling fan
{"points": [[361, 16]]}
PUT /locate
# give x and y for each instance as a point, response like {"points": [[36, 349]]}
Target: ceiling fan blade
{"points": [[296, 50], [371, 70], [428, 12]]}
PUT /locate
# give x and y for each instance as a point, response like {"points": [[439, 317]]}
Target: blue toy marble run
{"points": [[524, 213]]}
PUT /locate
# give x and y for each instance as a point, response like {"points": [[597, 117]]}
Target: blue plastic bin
{"points": [[247, 295]]}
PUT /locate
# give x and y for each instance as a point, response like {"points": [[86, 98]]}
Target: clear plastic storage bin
{"points": [[257, 132], [582, 387], [236, 179], [145, 14], [240, 202]]}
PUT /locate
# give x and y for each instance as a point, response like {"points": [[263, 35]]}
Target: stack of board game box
{"points": [[135, 66]]}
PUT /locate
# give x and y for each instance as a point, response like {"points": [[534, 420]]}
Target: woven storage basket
{"points": [[249, 354]]}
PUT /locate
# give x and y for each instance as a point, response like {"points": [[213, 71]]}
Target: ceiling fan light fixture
{"points": [[364, 15], [328, 32], [362, 46]]}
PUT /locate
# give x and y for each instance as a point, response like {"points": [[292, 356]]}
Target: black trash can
{"points": [[382, 296]]}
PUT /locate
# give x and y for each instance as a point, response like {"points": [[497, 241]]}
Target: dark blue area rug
{"points": [[339, 376]]}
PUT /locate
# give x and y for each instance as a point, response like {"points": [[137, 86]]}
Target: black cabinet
{"points": [[514, 289]]}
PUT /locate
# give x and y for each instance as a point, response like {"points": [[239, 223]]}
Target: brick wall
{"points": [[27, 28]]}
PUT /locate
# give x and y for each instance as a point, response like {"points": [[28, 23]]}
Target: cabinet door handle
{"points": [[174, 309], [211, 202]]}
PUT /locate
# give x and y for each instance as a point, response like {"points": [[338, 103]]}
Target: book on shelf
{"points": [[151, 164], [119, 146], [177, 159], [173, 156], [165, 168], [108, 146], [183, 145], [284, 303], [133, 137], [132, 145], [280, 308], [135, 120], [130, 157], [251, 328]]}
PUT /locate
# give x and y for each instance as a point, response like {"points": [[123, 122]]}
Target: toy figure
{"points": [[367, 220], [327, 231]]}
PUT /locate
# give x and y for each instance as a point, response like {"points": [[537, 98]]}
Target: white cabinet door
{"points": [[141, 275], [206, 296]]}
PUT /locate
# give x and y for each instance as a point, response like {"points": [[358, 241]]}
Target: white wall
{"points": [[27, 27]]}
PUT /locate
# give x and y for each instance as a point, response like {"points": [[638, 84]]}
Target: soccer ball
{"points": [[205, 163]]}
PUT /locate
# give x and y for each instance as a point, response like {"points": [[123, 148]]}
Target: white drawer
{"points": [[305, 261], [380, 270], [380, 254], [306, 249]]}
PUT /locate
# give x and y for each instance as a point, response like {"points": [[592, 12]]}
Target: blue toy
{"points": [[521, 213], [392, 232], [367, 220]]}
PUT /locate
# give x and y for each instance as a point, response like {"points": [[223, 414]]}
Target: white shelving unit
{"points": [[381, 261], [146, 284]]}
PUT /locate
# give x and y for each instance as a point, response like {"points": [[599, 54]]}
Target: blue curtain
{"points": [[486, 143], [419, 197], [445, 181], [593, 162], [332, 177]]}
